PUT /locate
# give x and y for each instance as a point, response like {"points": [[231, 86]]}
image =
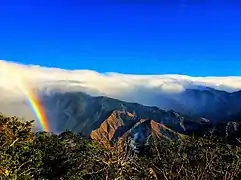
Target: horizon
{"points": [[189, 38], [18, 63]]}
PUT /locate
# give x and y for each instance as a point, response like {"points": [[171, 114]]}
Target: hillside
{"points": [[29, 155], [103, 117], [119, 126], [111, 119]]}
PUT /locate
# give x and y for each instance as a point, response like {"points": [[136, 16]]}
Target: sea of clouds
{"points": [[110, 83], [144, 89]]}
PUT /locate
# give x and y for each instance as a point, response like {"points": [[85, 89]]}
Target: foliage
{"points": [[28, 155], [196, 158], [18, 157]]}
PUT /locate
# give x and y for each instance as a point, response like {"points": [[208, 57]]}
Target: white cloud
{"points": [[111, 84]]}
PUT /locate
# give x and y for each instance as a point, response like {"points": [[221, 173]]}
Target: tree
{"points": [[18, 157]]}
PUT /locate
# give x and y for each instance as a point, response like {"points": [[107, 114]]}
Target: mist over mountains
{"points": [[110, 106]]}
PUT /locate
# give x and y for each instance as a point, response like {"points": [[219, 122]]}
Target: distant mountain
{"points": [[108, 120], [209, 103]]}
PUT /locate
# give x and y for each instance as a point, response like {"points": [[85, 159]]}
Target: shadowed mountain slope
{"points": [[107, 119]]}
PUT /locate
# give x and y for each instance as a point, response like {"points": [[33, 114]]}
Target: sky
{"points": [[191, 37]]}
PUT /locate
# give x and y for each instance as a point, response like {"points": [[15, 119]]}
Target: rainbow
{"points": [[31, 97], [36, 106]]}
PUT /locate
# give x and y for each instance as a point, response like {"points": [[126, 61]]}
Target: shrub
{"points": [[28, 155]]}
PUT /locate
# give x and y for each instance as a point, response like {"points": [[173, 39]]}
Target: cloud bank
{"points": [[111, 84]]}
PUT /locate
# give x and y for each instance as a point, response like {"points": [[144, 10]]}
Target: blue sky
{"points": [[195, 37]]}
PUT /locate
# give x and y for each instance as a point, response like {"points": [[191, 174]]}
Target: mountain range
{"points": [[108, 120]]}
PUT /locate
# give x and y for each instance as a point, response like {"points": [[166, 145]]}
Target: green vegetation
{"points": [[28, 155]]}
